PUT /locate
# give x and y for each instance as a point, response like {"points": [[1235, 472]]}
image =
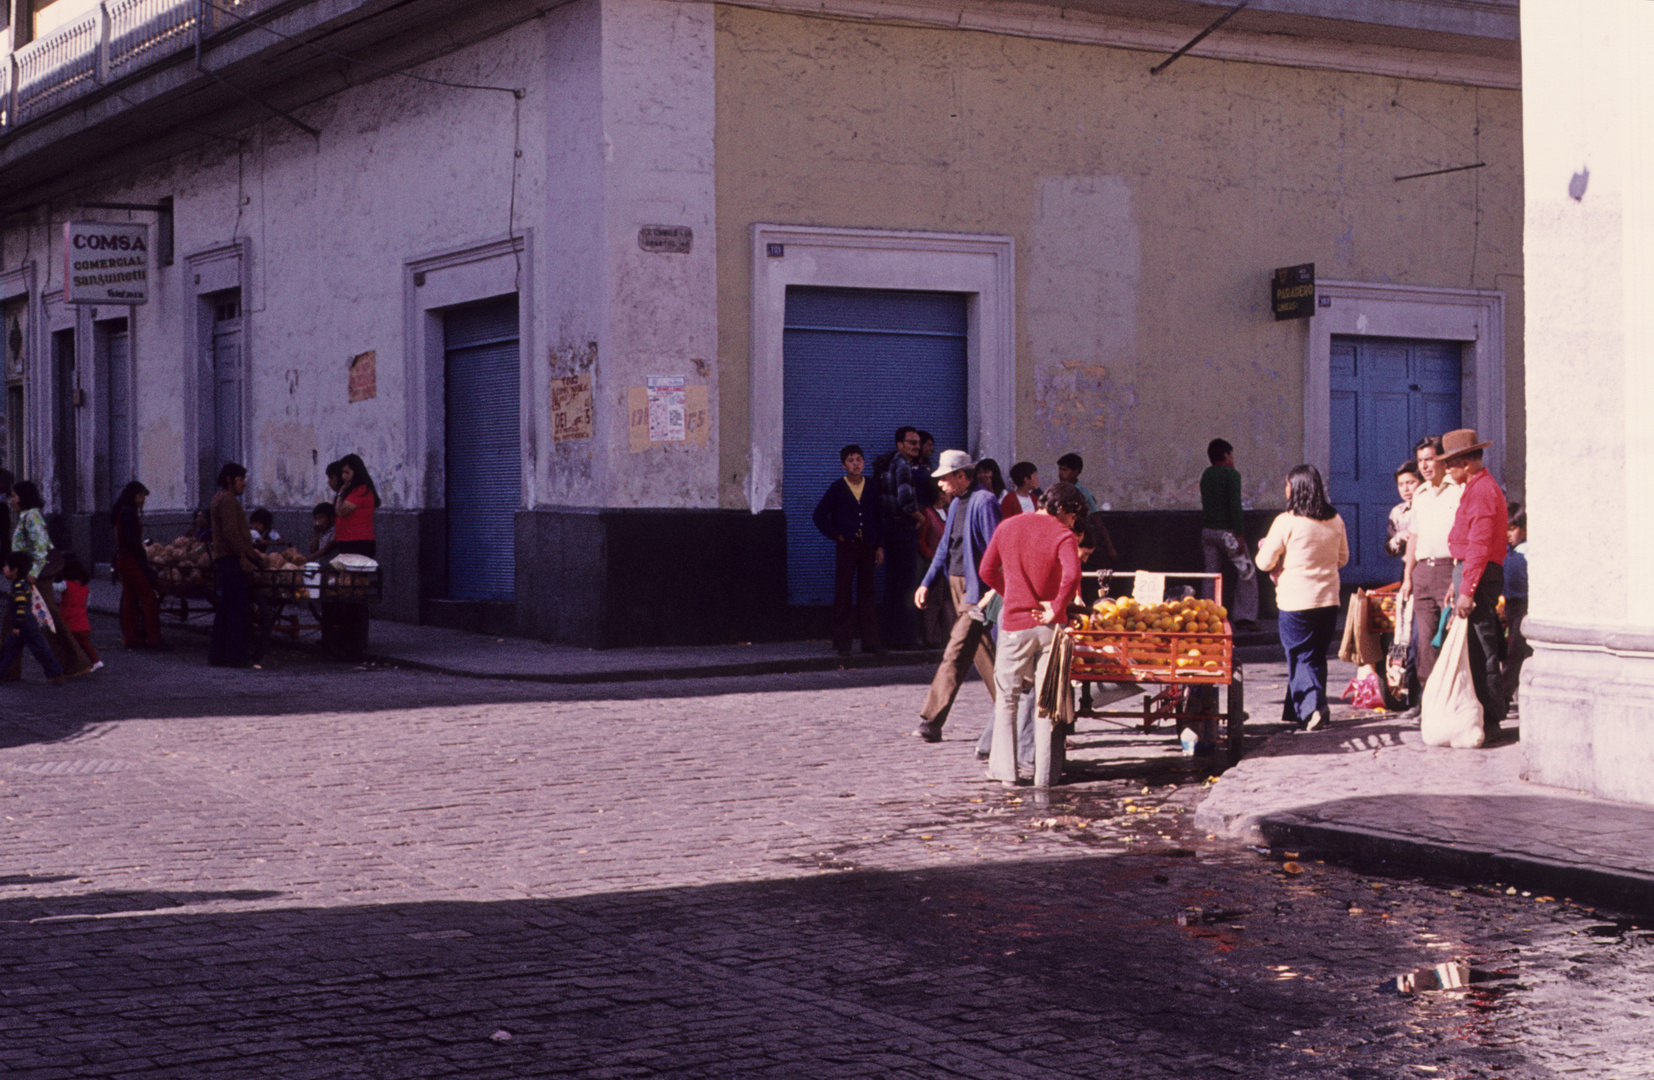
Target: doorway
{"points": [[66, 440], [483, 474], [1387, 394], [226, 377], [114, 354], [858, 364]]}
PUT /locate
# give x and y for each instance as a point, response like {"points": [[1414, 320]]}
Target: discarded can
{"points": [[1448, 976]]}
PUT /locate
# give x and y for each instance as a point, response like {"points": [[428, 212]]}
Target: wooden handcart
{"points": [[1189, 667], [295, 596]]}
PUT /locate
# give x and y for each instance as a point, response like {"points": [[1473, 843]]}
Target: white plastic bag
{"points": [[1451, 715]]}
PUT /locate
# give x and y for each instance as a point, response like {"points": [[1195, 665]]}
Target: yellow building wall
{"points": [[1147, 212]]}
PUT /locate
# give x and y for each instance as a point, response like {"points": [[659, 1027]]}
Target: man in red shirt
{"points": [[1033, 562], [1477, 544]]}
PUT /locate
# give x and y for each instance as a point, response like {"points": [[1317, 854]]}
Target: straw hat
{"points": [[1461, 442]]}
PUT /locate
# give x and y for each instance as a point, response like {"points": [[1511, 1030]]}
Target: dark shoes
{"points": [[927, 731]]}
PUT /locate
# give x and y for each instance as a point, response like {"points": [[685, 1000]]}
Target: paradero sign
{"points": [[1292, 292], [105, 262]]}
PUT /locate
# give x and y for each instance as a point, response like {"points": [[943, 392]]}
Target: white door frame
{"points": [[982, 267], [1475, 317]]}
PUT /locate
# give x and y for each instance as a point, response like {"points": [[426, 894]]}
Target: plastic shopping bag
{"points": [[42, 614], [1364, 691], [1451, 715]]}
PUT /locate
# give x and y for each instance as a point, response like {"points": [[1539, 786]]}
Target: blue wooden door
{"points": [[1387, 394], [859, 363]]}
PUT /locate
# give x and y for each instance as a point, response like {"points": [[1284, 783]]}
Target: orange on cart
{"points": [[1193, 647]]}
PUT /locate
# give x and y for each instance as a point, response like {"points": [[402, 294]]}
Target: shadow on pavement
{"points": [[180, 685], [1070, 968]]}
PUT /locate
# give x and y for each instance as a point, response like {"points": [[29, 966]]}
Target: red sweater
{"points": [[1032, 558]]}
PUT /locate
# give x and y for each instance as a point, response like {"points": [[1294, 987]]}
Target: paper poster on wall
{"points": [[571, 407], [650, 412], [364, 379]]}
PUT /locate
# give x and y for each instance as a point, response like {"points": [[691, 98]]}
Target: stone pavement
{"points": [[315, 870], [1368, 789]]}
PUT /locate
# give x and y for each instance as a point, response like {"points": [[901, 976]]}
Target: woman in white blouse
{"points": [[1302, 553]]}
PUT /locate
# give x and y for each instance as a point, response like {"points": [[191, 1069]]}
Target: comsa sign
{"points": [[105, 262]]}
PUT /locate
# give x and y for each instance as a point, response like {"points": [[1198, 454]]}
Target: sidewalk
{"points": [[482, 656], [1368, 790]]}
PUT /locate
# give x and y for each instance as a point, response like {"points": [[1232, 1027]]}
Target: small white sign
{"points": [[105, 262]]}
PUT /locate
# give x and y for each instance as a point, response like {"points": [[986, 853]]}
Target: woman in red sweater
{"points": [[355, 503], [353, 535]]}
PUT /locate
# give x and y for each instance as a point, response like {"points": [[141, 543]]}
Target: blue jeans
{"points": [[1305, 636], [30, 637]]}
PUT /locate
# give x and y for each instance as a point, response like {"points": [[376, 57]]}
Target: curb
{"points": [[792, 666], [1630, 891], [796, 666]]}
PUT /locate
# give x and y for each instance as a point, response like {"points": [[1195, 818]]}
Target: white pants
{"points": [[1019, 668]]}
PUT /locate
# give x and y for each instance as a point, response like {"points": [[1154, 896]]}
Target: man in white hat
{"points": [[972, 518], [1478, 545]]}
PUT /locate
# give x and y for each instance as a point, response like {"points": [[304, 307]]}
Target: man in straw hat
{"points": [[1478, 546]]}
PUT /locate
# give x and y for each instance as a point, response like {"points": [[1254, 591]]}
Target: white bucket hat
{"points": [[951, 462]]}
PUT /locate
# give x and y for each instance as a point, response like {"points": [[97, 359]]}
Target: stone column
{"points": [[1587, 699]]}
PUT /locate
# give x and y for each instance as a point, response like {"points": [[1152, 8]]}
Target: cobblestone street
{"points": [[311, 871]]}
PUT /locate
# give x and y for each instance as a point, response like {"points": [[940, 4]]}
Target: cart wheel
{"points": [[1237, 713]]}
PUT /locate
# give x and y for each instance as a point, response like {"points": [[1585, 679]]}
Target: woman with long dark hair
{"points": [[989, 476], [1302, 553], [140, 607], [32, 536], [355, 503], [234, 558]]}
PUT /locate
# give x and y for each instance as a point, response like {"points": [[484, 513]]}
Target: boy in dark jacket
{"points": [[850, 515], [25, 632]]}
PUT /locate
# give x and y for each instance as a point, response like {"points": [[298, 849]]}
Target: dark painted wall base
{"points": [[634, 577], [610, 578]]}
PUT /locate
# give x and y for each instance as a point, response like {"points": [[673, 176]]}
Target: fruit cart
{"points": [[1185, 646]]}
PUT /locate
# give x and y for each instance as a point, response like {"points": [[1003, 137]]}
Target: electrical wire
{"points": [[517, 92]]}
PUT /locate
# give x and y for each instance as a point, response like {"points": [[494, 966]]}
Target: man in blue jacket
{"points": [[972, 518], [851, 516]]}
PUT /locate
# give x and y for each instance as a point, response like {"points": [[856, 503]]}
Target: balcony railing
{"points": [[118, 39], [58, 68], [145, 30]]}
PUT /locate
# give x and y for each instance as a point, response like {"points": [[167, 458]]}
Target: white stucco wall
{"points": [[614, 131]]}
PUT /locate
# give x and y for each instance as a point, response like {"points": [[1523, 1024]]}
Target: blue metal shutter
{"points": [[1387, 394], [484, 452], [859, 363]]}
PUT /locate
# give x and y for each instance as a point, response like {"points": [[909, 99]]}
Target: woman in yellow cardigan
{"points": [[1302, 553]]}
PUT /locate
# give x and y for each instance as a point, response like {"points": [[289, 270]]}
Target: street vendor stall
{"points": [[292, 596], [1182, 644]]}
